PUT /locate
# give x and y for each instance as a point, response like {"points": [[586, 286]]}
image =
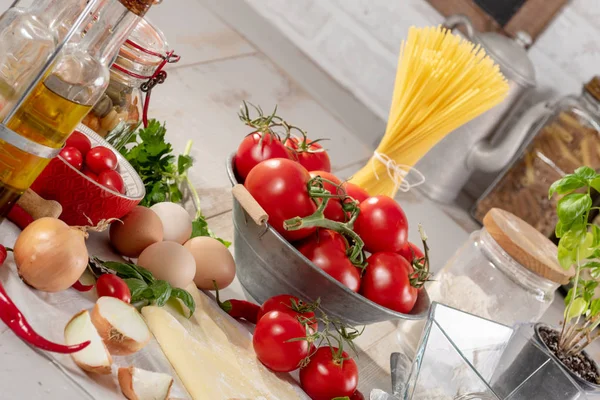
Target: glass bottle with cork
{"points": [[62, 99], [27, 39]]}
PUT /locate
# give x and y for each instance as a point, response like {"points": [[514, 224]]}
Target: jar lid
{"points": [[526, 245], [593, 87]]}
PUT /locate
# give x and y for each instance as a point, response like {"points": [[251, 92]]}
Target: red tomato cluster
{"points": [[98, 163], [280, 343]]}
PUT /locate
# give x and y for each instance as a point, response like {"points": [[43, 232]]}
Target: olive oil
{"points": [[45, 118]]}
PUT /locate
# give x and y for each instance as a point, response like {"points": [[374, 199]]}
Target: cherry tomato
{"points": [[327, 250], [113, 286], [310, 155], [326, 377], [273, 345], [72, 156], [100, 159], [357, 396], [89, 174], [289, 304], [280, 187], [80, 142], [382, 224], [386, 282], [253, 150], [112, 180], [334, 210], [410, 251], [355, 191]]}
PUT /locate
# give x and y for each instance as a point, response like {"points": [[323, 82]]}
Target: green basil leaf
{"points": [[186, 298], [560, 229], [595, 183], [147, 275], [594, 307], [123, 270], [585, 173], [136, 287], [577, 308], [566, 185], [573, 206], [573, 238], [566, 258], [162, 292]]}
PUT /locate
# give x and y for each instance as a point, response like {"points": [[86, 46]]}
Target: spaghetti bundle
{"points": [[442, 82]]}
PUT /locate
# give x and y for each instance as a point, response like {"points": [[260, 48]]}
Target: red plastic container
{"points": [[83, 198]]}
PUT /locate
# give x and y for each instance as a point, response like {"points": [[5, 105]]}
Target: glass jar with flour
{"points": [[506, 272]]}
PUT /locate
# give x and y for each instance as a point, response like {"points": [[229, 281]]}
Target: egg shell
{"points": [[177, 223], [138, 230], [213, 262], [169, 261]]}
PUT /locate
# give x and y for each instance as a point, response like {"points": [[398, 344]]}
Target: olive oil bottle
{"points": [[64, 97]]}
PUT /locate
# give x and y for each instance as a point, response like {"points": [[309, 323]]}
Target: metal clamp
{"points": [[26, 145]]}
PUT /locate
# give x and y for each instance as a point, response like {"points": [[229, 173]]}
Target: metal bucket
{"points": [[268, 265]]}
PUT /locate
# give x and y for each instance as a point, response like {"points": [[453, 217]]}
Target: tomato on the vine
{"points": [[382, 224], [311, 155], [280, 187], [327, 250], [386, 281], [334, 210], [410, 251], [355, 191], [289, 304], [273, 342], [113, 286], [357, 396], [255, 148], [329, 375]]}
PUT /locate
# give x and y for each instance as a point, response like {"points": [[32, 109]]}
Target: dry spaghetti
{"points": [[442, 82]]}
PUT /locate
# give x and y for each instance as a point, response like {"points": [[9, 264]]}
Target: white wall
{"points": [[357, 42]]}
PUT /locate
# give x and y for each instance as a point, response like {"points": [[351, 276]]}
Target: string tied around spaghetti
{"points": [[398, 173]]}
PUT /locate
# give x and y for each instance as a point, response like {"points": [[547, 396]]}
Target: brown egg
{"points": [[169, 261], [139, 229], [213, 262]]}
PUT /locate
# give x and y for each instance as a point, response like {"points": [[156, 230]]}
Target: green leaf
{"points": [[566, 185], [123, 270], [594, 307], [577, 308], [186, 298], [585, 173], [568, 296], [566, 257], [200, 228], [573, 206], [148, 277], [573, 238], [595, 183], [161, 291], [136, 287], [183, 163]]}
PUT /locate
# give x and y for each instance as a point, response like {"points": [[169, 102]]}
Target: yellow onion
{"points": [[50, 255]]}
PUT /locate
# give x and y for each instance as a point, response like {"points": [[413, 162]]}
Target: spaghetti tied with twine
{"points": [[398, 173]]}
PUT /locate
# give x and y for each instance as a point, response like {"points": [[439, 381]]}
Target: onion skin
{"points": [[116, 342], [50, 255]]}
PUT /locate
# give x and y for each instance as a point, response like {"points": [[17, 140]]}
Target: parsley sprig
{"points": [[163, 173]]}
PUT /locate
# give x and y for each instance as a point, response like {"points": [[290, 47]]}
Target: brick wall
{"points": [[357, 42]]}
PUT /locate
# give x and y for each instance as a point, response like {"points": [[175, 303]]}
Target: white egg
{"points": [[177, 223]]}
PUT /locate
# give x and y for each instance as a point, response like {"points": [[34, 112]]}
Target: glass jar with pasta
{"points": [[120, 110], [565, 137]]}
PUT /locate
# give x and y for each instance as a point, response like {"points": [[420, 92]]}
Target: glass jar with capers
{"points": [[119, 112]]}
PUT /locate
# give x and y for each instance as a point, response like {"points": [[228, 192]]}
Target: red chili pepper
{"points": [[239, 308], [18, 216], [80, 287], [12, 317]]}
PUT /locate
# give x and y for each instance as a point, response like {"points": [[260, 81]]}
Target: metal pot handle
{"points": [[254, 210], [454, 21]]}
